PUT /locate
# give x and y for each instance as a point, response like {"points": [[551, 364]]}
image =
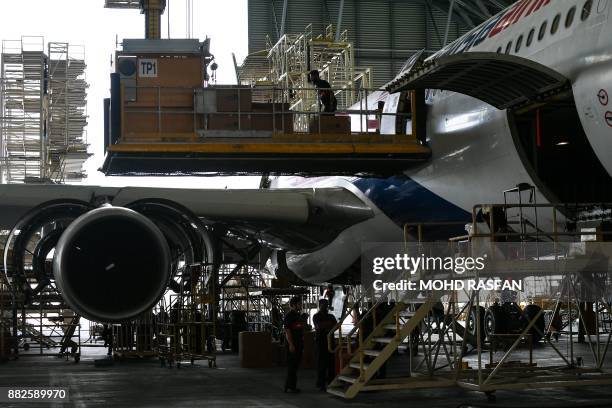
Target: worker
{"points": [[276, 322], [294, 332], [327, 100], [307, 326], [324, 322], [329, 294], [107, 335]]}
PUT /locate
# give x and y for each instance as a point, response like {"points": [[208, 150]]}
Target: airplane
{"points": [[560, 144], [528, 107]]}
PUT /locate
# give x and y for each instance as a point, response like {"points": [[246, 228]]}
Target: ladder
{"points": [[378, 347], [67, 339]]}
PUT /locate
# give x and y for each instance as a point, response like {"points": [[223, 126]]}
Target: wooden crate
{"points": [[330, 124], [228, 121]]}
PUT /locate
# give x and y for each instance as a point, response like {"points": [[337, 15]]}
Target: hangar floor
{"points": [[146, 384]]}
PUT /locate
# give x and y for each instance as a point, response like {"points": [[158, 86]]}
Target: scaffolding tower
{"points": [[283, 75], [22, 125], [67, 112], [43, 113], [241, 290]]}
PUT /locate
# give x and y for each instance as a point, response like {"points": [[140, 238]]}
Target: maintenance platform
{"points": [[164, 117]]}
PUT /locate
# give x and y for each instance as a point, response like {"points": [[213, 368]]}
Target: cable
{"points": [[186, 18], [189, 18]]}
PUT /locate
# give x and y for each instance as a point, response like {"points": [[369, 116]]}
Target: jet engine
{"points": [[109, 263]]}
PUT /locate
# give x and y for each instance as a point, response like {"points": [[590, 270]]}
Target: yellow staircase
{"points": [[372, 352]]}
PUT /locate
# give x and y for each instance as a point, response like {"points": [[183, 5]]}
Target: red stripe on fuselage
{"points": [[536, 6], [520, 9], [516, 13]]}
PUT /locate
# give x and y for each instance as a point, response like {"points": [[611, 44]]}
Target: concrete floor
{"points": [[145, 383]]}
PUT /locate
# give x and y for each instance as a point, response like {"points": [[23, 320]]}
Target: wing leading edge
{"points": [[299, 220]]}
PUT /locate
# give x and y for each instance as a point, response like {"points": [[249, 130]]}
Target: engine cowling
{"points": [[112, 264]]}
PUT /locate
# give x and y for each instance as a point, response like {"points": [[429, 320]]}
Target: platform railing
{"points": [[376, 298], [157, 112], [554, 212], [537, 231]]}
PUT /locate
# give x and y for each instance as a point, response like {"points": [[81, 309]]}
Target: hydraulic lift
{"points": [[165, 118]]}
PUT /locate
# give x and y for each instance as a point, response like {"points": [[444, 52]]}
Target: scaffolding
{"points": [[35, 320], [43, 113], [135, 338], [7, 343], [186, 332], [22, 126], [67, 112], [485, 339], [290, 60], [251, 302], [47, 327], [237, 284]]}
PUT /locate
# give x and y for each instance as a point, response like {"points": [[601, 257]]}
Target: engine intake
{"points": [[112, 264]]}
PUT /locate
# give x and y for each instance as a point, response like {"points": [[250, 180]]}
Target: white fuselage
{"points": [[474, 155]]}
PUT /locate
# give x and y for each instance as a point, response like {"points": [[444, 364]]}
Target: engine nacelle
{"points": [[112, 264]]}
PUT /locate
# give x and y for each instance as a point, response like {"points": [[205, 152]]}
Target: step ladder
{"points": [[67, 339], [379, 346]]}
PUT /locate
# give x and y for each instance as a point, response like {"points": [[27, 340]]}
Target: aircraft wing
{"points": [[299, 220]]}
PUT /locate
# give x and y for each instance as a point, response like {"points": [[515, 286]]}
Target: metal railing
{"points": [[526, 228], [529, 229], [206, 111], [371, 293]]}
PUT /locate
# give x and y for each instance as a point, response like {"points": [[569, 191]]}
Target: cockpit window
{"points": [[569, 19], [586, 10]]}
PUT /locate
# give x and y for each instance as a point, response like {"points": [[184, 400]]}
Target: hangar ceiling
{"points": [[385, 33]]}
